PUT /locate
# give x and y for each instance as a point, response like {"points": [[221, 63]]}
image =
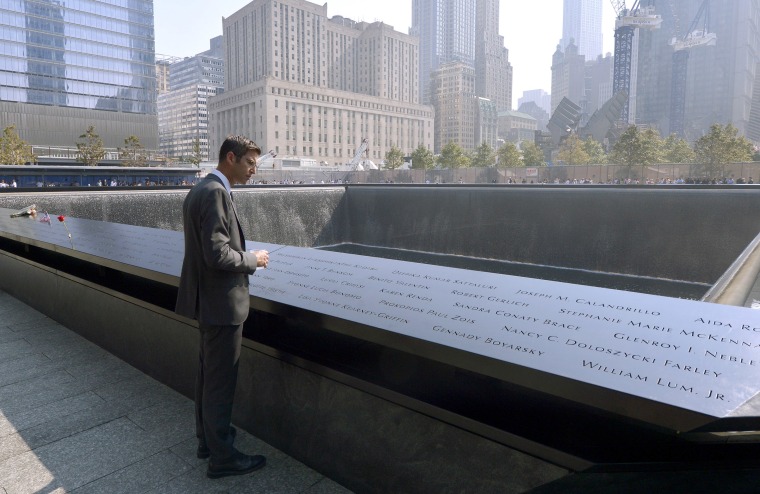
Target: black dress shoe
{"points": [[240, 464], [203, 451]]}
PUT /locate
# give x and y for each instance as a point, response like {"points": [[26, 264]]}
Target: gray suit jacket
{"points": [[213, 286]]}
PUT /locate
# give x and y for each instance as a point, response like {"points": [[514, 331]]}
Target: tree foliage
{"points": [[196, 157], [720, 146], [91, 151], [422, 158], [595, 151], [509, 156], [394, 158], [572, 151], [133, 153], [677, 150], [453, 156], [532, 154], [484, 156], [13, 149], [637, 147]]}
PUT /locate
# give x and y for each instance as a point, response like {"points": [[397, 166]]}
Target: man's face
{"points": [[244, 167]]}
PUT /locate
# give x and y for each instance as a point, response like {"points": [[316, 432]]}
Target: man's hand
{"points": [[262, 258]]}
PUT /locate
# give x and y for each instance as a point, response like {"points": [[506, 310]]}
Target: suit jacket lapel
{"points": [[237, 220], [234, 211]]}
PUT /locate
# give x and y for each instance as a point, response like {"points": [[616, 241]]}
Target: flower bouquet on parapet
{"points": [[30, 210], [46, 218]]}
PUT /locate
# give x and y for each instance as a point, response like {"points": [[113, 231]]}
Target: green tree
{"points": [[595, 151], [484, 156], [422, 158], [509, 156], [720, 146], [91, 151], [394, 158], [677, 150], [453, 156], [571, 151], [532, 154], [13, 149], [196, 157], [637, 148], [132, 154]]}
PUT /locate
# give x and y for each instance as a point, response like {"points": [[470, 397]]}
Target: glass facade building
{"points": [[582, 23], [79, 54], [720, 77]]}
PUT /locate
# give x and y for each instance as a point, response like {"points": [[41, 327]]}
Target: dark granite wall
{"points": [[676, 233], [680, 233]]}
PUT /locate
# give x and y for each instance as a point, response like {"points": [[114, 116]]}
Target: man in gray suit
{"points": [[213, 289]]}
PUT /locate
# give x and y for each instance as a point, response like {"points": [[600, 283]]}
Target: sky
{"points": [[531, 29]]}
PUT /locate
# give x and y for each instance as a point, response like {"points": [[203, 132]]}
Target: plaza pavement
{"points": [[75, 419]]}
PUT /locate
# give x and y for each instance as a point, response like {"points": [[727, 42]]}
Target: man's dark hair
{"points": [[239, 145]]}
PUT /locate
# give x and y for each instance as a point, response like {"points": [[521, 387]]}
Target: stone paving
{"points": [[74, 418]]}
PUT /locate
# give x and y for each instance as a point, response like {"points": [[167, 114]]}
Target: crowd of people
{"points": [[345, 181], [637, 181]]}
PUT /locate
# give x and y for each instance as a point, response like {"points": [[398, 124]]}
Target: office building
{"points": [[163, 62], [183, 109], [540, 115], [542, 99], [463, 31], [486, 122], [597, 85], [205, 68], [568, 75], [455, 104], [183, 122], [303, 84], [454, 34], [493, 72], [517, 127], [65, 66], [720, 75], [582, 25], [446, 29]]}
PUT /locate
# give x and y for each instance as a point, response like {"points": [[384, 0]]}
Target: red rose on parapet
{"points": [[62, 219]]}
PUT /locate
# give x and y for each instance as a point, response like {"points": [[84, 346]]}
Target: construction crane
{"points": [[626, 24], [356, 163], [694, 37]]}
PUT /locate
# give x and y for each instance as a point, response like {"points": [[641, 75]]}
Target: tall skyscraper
{"points": [[446, 29], [454, 34], [493, 72], [455, 104], [582, 23], [720, 76], [463, 31], [67, 65], [568, 76], [303, 84]]}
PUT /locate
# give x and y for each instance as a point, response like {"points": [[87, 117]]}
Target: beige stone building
{"points": [[303, 84], [517, 127], [453, 93]]}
